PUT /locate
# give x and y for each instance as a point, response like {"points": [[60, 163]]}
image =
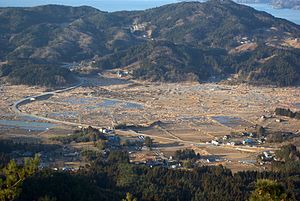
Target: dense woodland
{"points": [[164, 61], [287, 113], [30, 72], [186, 41], [111, 177]]}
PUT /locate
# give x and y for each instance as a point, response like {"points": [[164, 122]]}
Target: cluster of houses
{"points": [[266, 157], [160, 161], [138, 27], [122, 73], [246, 138], [245, 40], [106, 131]]}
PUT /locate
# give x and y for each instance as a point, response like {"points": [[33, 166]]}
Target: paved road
{"points": [[15, 108]]}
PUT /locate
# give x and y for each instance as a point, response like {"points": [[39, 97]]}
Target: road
{"points": [[172, 138], [29, 99]]}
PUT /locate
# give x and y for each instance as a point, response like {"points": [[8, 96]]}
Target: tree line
{"points": [[287, 113], [113, 178]]}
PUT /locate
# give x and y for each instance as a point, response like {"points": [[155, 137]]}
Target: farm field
{"points": [[190, 114]]}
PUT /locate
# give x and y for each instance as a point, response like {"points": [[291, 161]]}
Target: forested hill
{"points": [[176, 42]]}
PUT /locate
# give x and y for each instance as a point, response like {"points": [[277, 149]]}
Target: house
{"points": [[215, 142], [261, 141], [106, 131], [246, 134], [153, 163], [232, 143], [174, 164], [263, 117], [235, 143], [141, 137], [226, 137], [211, 160], [122, 73], [68, 169], [248, 141], [267, 156]]}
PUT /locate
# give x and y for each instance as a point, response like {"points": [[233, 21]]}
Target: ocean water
{"points": [[118, 5], [289, 14]]}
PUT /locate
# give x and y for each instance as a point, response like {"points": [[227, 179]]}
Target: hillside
{"points": [[32, 72], [175, 42]]}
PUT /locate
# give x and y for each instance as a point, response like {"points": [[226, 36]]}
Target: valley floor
{"points": [[176, 116]]}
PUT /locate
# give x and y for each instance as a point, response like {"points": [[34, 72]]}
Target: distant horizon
{"points": [[132, 5], [103, 5]]}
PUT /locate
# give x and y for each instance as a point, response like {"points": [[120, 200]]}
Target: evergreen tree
{"points": [[129, 197], [13, 177], [267, 190]]}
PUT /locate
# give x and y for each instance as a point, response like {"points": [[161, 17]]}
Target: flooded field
{"points": [[26, 125], [108, 103], [186, 113], [190, 106], [79, 101], [94, 103], [67, 114], [231, 121]]}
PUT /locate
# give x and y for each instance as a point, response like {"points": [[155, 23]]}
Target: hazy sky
{"points": [[107, 5], [117, 5]]}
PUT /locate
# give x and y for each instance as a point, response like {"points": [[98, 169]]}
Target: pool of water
{"points": [[298, 105], [27, 125], [28, 118], [64, 114], [90, 107], [114, 103], [191, 118], [231, 121], [205, 88], [128, 105], [90, 104], [19, 117], [79, 101], [108, 103]]}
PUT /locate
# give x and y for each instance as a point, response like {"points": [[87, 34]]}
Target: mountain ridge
{"points": [[185, 30]]}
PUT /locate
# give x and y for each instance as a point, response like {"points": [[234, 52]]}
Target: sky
{"points": [[118, 5]]}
